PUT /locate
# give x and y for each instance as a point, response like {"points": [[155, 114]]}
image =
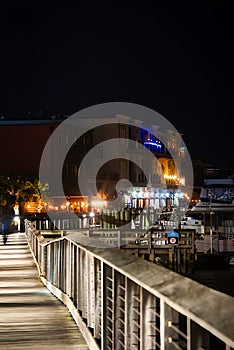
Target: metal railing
{"points": [[122, 302]]}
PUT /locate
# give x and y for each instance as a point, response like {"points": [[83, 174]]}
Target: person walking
{"points": [[4, 238], [4, 233]]}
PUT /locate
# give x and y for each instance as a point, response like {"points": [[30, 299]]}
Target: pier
{"points": [[31, 317], [99, 297]]}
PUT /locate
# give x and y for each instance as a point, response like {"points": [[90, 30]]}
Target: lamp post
{"points": [[211, 223], [17, 217], [68, 204]]}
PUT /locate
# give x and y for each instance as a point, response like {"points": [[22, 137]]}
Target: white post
{"points": [[17, 217], [211, 231]]}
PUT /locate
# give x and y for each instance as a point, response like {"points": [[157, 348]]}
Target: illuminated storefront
{"points": [[155, 198]]}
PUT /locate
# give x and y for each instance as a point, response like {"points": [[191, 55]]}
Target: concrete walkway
{"points": [[30, 317]]}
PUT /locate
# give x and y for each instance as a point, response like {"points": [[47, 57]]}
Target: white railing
{"points": [[120, 301]]}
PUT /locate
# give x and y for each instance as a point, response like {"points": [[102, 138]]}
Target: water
{"points": [[218, 279]]}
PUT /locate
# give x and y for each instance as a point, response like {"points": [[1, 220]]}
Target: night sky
{"points": [[174, 57]]}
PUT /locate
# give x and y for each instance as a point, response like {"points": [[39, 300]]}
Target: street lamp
{"points": [[211, 223], [17, 217], [68, 204]]}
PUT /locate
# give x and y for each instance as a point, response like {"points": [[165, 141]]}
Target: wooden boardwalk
{"points": [[30, 316]]}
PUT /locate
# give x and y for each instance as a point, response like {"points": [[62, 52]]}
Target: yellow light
{"points": [[170, 177], [98, 203]]}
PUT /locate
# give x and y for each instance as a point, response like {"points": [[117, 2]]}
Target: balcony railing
{"points": [[122, 302]]}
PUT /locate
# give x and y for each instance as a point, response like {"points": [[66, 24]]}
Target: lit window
{"points": [[182, 152]]}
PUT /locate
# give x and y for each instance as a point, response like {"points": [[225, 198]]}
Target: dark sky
{"points": [[174, 57]]}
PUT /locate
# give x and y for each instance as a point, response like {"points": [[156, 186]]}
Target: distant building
{"points": [[22, 143]]}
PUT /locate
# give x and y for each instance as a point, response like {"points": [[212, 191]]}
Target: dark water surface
{"points": [[218, 279]]}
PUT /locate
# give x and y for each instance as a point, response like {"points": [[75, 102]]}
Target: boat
{"points": [[213, 218], [189, 223], [217, 195], [231, 261]]}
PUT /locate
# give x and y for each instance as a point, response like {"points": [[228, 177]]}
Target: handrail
{"points": [[122, 302]]}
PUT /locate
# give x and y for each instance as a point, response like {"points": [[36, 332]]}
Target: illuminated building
{"points": [[23, 141]]}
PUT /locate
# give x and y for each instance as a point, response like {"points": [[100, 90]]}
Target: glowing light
{"points": [[182, 181], [170, 177], [146, 194], [98, 203], [16, 209], [17, 221], [151, 143]]}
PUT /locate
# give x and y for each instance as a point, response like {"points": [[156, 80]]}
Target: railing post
{"points": [[162, 324], [90, 291], [132, 316], [119, 238], [98, 298], [149, 321], [68, 266], [43, 260], [188, 333], [131, 306], [103, 311]]}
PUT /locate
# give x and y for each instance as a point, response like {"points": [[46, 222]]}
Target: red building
{"points": [[22, 144]]}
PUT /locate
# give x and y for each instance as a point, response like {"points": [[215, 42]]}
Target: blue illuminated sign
{"points": [[173, 234], [173, 237], [157, 144]]}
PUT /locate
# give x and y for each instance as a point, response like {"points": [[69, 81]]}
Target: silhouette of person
{"points": [[4, 238]]}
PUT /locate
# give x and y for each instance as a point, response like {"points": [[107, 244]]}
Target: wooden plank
{"points": [[30, 316]]}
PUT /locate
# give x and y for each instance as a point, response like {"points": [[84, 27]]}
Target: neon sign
{"points": [[156, 143]]}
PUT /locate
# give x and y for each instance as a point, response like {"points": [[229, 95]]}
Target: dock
{"points": [[30, 316]]}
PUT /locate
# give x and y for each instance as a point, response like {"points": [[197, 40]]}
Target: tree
{"points": [[16, 190]]}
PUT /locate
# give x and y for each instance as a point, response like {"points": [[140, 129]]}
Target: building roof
{"points": [[29, 121]]}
